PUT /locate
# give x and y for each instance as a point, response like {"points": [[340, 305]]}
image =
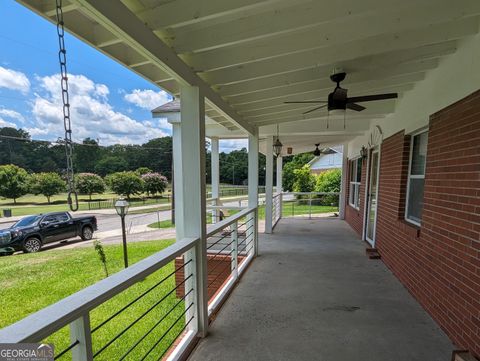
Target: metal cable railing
{"points": [[151, 309], [137, 311], [310, 204], [224, 262]]}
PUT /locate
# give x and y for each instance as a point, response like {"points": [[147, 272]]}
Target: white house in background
{"points": [[326, 162]]}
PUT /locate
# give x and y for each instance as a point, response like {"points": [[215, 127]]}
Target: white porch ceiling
{"points": [[249, 56]]}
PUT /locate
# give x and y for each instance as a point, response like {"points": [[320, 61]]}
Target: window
{"points": [[355, 181], [416, 178]]}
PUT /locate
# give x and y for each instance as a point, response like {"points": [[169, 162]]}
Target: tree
{"points": [[125, 183], [110, 164], [47, 184], [89, 183], [86, 155], [14, 146], [290, 164], [143, 170], [304, 180], [329, 181], [154, 183], [14, 182]]}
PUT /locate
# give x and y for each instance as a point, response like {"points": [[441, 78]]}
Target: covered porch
{"points": [[313, 294]]}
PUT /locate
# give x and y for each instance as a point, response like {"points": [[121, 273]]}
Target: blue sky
{"points": [[109, 102]]}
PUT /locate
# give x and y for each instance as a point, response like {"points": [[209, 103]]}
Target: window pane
{"points": [[352, 170], [415, 199], [359, 170], [419, 153]]}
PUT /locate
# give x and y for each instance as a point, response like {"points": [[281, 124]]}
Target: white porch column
{"points": [[215, 160], [190, 196], [279, 174], [343, 186], [269, 184], [280, 183], [253, 183]]}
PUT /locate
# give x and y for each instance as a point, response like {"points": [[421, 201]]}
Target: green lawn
{"points": [[162, 224], [29, 282], [295, 209], [289, 209]]}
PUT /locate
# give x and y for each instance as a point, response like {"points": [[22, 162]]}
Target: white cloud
{"points": [[4, 123], [91, 113], [227, 145], [147, 99], [14, 80], [12, 114]]}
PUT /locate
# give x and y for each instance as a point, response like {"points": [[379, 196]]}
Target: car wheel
{"points": [[87, 233], [32, 244]]}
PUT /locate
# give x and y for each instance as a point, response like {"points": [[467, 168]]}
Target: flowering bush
{"points": [[154, 183]]}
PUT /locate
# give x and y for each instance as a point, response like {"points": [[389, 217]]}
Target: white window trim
{"points": [[409, 176], [355, 187]]}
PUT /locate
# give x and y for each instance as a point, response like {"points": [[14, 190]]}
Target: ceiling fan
{"points": [[317, 151], [338, 100]]}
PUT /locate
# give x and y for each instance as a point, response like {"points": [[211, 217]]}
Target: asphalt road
{"points": [[109, 222]]}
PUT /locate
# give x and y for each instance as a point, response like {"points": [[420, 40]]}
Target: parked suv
{"points": [[30, 233]]}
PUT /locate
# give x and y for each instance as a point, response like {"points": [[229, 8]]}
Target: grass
{"points": [[162, 224], [290, 209], [31, 282], [295, 209]]}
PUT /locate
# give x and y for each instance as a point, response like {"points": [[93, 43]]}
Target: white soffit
{"points": [[252, 55]]}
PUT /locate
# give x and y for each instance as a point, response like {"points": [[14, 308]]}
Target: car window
{"points": [[62, 218], [50, 219], [27, 221]]}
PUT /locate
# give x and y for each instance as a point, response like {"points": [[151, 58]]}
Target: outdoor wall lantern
{"points": [[363, 152], [121, 206], [277, 146]]}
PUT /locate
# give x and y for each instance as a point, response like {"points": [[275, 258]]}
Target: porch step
{"points": [[462, 355], [372, 253]]}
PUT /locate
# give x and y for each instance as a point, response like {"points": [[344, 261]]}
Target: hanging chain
{"points": [[62, 57]]}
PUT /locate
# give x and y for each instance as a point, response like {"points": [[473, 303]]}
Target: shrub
{"points": [[304, 180], [143, 170], [89, 183], [329, 181], [14, 182], [125, 183], [47, 184], [154, 183]]}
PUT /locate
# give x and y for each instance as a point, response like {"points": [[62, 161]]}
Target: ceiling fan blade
{"points": [[306, 102], [370, 98], [312, 110], [356, 107]]}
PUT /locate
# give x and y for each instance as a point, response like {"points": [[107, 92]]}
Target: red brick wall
{"points": [[355, 217], [218, 273], [440, 262]]}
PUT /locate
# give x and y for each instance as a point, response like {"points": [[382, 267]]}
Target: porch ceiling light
{"points": [[363, 152], [277, 146], [317, 151]]}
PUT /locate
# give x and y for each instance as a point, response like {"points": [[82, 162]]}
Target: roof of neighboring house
{"points": [[333, 164], [170, 107]]}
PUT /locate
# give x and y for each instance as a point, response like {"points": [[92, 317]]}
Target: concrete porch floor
{"points": [[312, 294]]}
